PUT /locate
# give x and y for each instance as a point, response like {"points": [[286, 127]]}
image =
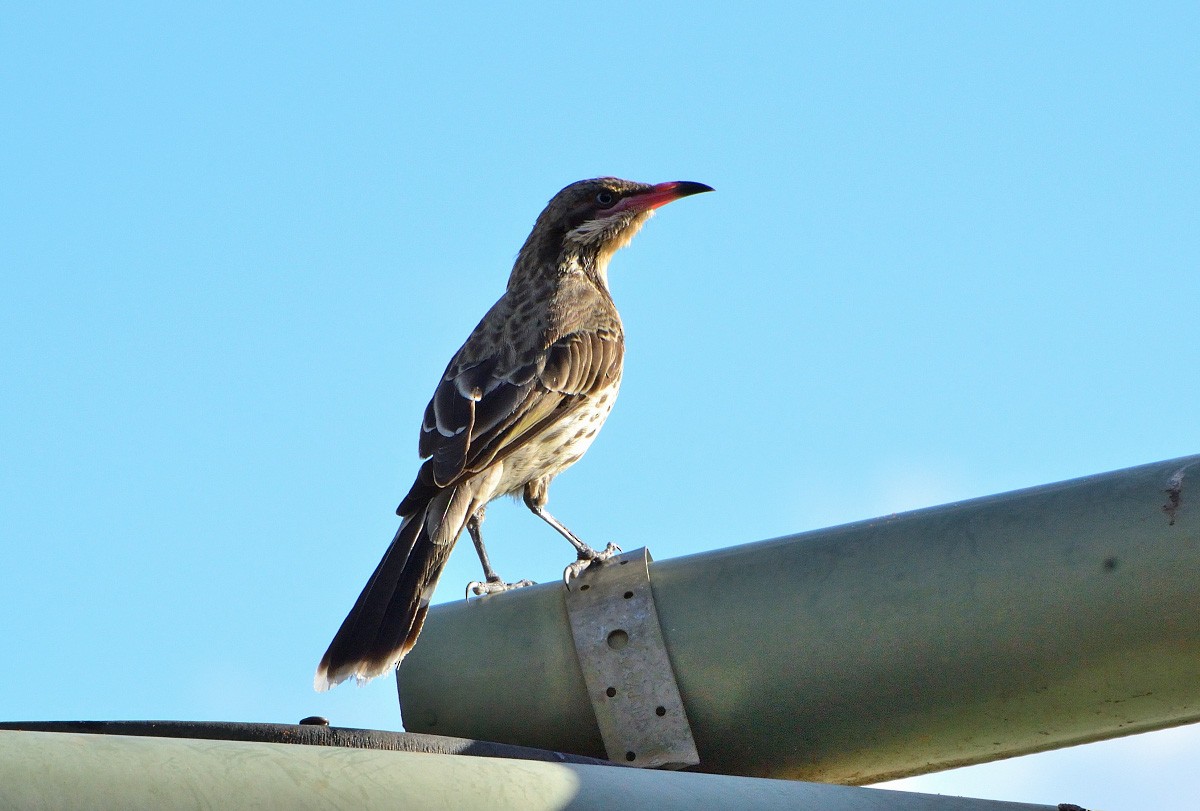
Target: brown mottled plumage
{"points": [[519, 403]]}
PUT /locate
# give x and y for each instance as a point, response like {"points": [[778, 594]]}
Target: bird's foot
{"points": [[497, 586], [588, 556]]}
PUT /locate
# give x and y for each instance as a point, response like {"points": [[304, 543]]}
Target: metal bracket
{"points": [[625, 665]]}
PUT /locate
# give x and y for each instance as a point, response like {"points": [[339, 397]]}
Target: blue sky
{"points": [[953, 251]]}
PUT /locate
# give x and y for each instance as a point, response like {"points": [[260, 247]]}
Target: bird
{"points": [[520, 402]]}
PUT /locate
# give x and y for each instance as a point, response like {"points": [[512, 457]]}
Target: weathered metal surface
{"points": [[625, 665], [907, 644]]}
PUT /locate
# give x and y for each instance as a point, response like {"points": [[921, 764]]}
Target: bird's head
{"points": [[593, 219]]}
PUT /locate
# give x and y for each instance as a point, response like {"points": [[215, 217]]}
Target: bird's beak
{"points": [[660, 195]]}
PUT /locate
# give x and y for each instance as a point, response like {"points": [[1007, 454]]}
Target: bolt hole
{"points": [[584, 587], [660, 711], [623, 563], [610, 692], [618, 639], [630, 756], [1110, 564], [628, 595]]}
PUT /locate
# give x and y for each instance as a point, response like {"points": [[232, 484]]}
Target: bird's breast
{"points": [[561, 444]]}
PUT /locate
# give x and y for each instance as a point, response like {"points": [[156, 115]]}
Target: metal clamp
{"points": [[625, 665]]}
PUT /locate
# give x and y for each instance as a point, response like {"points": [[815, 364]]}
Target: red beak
{"points": [[660, 195]]}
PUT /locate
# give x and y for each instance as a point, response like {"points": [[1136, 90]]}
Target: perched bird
{"points": [[519, 403]]}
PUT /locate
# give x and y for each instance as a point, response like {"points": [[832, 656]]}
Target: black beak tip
{"points": [[685, 188]]}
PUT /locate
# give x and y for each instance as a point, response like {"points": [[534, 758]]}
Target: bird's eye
{"points": [[606, 198]]}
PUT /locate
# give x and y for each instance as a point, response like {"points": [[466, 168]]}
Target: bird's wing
{"points": [[482, 412]]}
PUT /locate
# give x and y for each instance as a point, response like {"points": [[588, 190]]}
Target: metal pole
{"points": [[52, 770], [903, 645]]}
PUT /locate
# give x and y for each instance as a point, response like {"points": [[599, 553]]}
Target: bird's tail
{"points": [[385, 621]]}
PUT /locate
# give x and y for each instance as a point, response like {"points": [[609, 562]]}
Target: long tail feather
{"points": [[388, 615]]}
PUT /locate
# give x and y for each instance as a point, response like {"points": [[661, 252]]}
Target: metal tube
{"points": [[903, 645], [43, 770]]}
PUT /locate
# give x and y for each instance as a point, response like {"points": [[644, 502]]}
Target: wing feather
{"points": [[482, 412]]}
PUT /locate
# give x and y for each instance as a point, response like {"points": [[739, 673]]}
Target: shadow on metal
{"points": [[306, 734]]}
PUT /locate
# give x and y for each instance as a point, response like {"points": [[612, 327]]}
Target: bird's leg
{"points": [[536, 495], [492, 584]]}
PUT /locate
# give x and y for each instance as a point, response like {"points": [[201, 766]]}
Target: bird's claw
{"points": [[576, 567], [481, 588]]}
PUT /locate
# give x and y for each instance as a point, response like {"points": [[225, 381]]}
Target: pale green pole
{"points": [[44, 771], [907, 644]]}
